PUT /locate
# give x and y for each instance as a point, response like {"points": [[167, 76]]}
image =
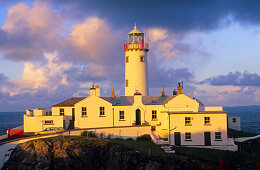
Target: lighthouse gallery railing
{"points": [[132, 46]]}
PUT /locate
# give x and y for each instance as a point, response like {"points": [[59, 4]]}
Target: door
{"points": [[73, 114], [64, 124], [138, 117], [177, 138], [207, 138]]}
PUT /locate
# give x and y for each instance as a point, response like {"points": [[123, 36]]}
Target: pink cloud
{"points": [[92, 38]]}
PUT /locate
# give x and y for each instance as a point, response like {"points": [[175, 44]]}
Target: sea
{"points": [[249, 116]]}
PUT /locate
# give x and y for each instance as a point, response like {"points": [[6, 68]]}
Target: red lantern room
{"points": [[135, 41]]}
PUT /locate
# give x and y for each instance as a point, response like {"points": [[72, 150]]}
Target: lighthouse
{"points": [[136, 68]]}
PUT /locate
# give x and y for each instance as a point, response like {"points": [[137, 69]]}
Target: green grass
{"points": [[147, 148], [239, 134], [211, 155], [250, 159]]}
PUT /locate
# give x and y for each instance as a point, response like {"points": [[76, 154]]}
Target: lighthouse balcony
{"points": [[136, 46]]}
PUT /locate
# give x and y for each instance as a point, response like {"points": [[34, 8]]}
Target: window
{"points": [[48, 122], [61, 111], [217, 135], [187, 121], [127, 59], [102, 111], [234, 120], [154, 114], [48, 113], [121, 115], [83, 111], [207, 120], [126, 83], [187, 136], [142, 58]]}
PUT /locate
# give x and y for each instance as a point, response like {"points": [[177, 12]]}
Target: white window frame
{"points": [[206, 121], [48, 122], [121, 115], [102, 111], [187, 121], [218, 136], [187, 136], [154, 114], [141, 58], [62, 111], [83, 111]]}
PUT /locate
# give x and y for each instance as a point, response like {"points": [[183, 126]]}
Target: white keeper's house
{"points": [[179, 118]]}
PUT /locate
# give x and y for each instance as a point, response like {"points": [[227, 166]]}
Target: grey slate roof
{"points": [[70, 102], [121, 100], [129, 100]]}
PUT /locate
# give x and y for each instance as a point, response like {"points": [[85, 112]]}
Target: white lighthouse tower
{"points": [[136, 69]]}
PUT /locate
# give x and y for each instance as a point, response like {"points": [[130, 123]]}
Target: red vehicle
{"points": [[15, 132]]}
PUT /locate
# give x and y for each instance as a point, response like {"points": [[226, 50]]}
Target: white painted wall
{"points": [[234, 125], [136, 72], [93, 118], [36, 123], [197, 128]]}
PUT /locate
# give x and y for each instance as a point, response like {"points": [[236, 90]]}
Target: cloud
{"points": [[48, 74], [28, 32], [235, 79], [3, 78], [92, 38], [180, 16], [169, 78], [168, 45]]}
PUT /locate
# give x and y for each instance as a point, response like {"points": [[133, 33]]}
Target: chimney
{"points": [[163, 92], [179, 88], [97, 91], [138, 97], [112, 93], [174, 92]]}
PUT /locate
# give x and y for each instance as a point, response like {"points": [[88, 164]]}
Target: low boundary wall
{"points": [[122, 132]]}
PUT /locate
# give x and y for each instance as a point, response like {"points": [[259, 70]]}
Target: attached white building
{"points": [[234, 123], [179, 118]]}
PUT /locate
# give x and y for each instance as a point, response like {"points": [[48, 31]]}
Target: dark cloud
{"points": [[168, 78], [235, 79], [174, 14], [3, 78], [43, 98]]}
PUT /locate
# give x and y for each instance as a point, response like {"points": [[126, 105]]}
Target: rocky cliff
{"points": [[82, 153]]}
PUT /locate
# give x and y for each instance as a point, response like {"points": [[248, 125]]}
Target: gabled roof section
{"points": [[69, 102], [119, 100], [129, 100], [157, 100]]}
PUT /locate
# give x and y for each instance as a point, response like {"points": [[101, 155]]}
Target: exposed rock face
{"points": [[44, 154]]}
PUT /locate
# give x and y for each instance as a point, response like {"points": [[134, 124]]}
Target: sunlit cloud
{"points": [[29, 31]]}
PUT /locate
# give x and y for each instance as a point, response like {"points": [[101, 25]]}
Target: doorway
{"points": [[138, 117], [73, 114], [207, 138], [177, 138]]}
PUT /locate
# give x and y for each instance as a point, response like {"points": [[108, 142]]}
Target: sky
{"points": [[53, 50]]}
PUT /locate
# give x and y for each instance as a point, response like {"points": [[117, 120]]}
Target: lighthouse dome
{"points": [[135, 31]]}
